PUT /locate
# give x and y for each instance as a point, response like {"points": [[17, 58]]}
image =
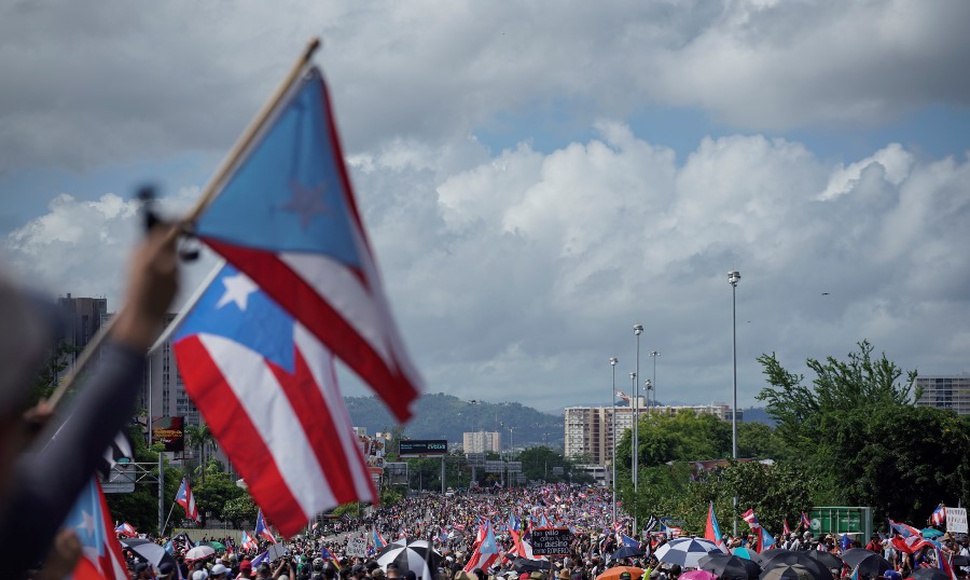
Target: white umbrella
{"points": [[199, 552], [686, 551], [414, 556]]}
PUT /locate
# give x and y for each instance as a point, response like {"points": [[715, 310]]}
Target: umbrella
{"points": [[526, 565], [930, 574], [685, 551], [627, 552], [614, 572], [149, 552], [787, 572], [748, 555], [219, 546], [853, 556], [781, 558], [873, 565], [698, 575], [827, 559], [729, 567], [413, 556], [931, 533], [199, 552]]}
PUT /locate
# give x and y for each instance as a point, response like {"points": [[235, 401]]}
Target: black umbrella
{"points": [[787, 572], [789, 558], [853, 556], [627, 552], [873, 565], [930, 574], [415, 556], [728, 567], [526, 565], [828, 559], [148, 551]]}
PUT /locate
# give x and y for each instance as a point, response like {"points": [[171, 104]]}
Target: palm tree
{"points": [[200, 438]]}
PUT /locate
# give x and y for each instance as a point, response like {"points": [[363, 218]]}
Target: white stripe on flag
{"points": [[320, 362], [275, 420]]}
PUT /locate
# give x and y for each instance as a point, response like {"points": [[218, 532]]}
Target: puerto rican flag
{"points": [[904, 530], [248, 544], [126, 530], [485, 552], [784, 527], [262, 528], [287, 217], [938, 517], [751, 518], [268, 391], [806, 523], [185, 499], [101, 557]]}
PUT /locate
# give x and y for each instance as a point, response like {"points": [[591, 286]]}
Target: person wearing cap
{"points": [[200, 575], [219, 570], [39, 485], [245, 569]]}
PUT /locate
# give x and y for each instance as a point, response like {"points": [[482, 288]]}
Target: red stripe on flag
{"points": [[295, 295], [314, 415], [233, 428]]}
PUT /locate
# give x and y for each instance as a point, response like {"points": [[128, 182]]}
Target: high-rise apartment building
{"points": [[589, 430], [481, 442], [84, 316], [163, 392], [945, 392]]}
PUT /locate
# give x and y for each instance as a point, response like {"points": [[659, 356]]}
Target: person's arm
{"points": [[62, 460]]}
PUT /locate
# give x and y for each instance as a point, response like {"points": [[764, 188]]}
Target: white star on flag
{"points": [[238, 289]]}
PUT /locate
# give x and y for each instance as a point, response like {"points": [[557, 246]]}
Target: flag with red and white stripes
{"points": [[91, 522], [267, 389], [185, 499]]}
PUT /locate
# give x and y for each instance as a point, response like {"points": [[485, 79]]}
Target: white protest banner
{"points": [[357, 546], [956, 520]]}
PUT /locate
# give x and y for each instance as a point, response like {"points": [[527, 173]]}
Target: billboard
{"points": [[423, 447], [170, 432]]}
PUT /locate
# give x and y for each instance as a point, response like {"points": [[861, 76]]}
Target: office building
{"points": [[945, 392], [481, 442]]}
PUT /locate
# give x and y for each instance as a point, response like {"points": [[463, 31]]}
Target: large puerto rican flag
{"points": [[286, 216], [267, 389]]}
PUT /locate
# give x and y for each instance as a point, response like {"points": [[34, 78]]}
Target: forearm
{"points": [[66, 454]]}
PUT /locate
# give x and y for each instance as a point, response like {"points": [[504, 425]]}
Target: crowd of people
{"points": [[452, 525]]}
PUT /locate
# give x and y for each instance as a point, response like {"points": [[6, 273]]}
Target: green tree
{"points": [[240, 509], [201, 440], [857, 432], [216, 491]]}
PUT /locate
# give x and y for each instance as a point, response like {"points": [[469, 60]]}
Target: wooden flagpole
{"points": [[210, 192]]}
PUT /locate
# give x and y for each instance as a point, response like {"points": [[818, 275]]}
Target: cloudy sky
{"points": [[539, 176]]}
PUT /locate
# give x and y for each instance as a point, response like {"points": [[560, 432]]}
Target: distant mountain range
{"points": [[441, 416]]}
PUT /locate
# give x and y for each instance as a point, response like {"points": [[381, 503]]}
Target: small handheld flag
{"points": [[185, 499]]}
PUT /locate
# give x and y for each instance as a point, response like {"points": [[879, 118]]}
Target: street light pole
{"points": [[648, 387], [654, 354], [733, 278], [637, 330], [613, 361]]}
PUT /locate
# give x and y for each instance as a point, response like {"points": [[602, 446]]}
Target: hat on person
{"points": [[537, 576], [219, 569], [245, 565], [199, 575]]}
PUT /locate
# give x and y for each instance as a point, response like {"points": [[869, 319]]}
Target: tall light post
{"points": [[648, 386], [637, 330], [733, 278], [654, 354], [613, 361]]}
